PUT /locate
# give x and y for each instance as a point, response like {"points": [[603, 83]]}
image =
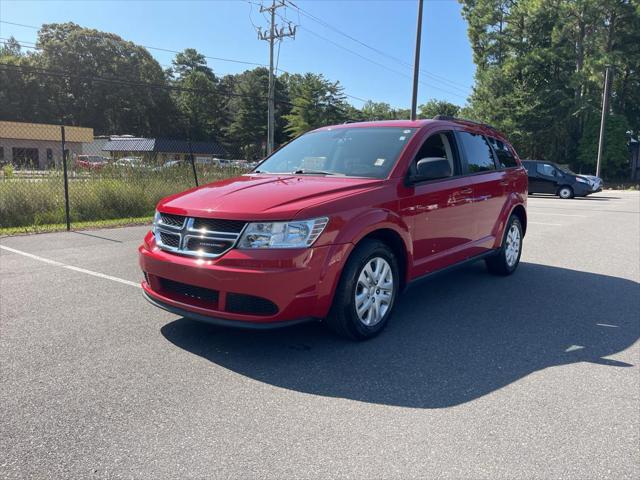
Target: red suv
{"points": [[336, 223]]}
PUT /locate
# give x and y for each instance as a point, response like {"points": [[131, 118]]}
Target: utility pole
{"points": [[275, 32], [416, 63], [603, 118]]}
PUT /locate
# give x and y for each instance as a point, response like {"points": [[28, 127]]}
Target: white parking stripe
{"points": [[71, 267], [557, 214]]}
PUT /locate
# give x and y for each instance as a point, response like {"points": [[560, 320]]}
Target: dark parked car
{"points": [[549, 177]]}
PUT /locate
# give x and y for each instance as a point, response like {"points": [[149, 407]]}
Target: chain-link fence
{"points": [[56, 177]]}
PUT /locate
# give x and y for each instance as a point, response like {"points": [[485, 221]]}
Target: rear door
{"points": [[488, 183]]}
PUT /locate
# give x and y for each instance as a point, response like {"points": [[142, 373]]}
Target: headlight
{"points": [[294, 234], [582, 180]]}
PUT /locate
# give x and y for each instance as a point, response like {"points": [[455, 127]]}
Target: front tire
{"points": [[507, 259], [565, 192], [366, 292]]}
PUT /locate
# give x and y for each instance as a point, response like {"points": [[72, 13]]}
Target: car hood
{"points": [[262, 197]]}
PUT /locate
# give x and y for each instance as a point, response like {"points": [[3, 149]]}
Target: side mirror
{"points": [[432, 168]]}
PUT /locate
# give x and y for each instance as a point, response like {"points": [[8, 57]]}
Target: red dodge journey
{"points": [[336, 223]]}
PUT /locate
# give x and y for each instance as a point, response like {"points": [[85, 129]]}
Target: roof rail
{"points": [[463, 120]]}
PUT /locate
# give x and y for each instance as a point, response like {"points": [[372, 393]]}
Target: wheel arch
{"points": [[520, 212], [396, 244]]}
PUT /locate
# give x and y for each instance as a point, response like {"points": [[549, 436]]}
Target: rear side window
{"points": [[477, 152], [505, 157]]}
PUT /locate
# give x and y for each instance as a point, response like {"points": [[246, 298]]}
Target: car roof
{"points": [[438, 120]]}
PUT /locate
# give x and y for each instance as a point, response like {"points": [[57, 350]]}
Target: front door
{"points": [[546, 178]]}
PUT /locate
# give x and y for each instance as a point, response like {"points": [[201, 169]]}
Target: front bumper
{"points": [[298, 283], [221, 322]]}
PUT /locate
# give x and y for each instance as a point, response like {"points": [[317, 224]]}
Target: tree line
{"points": [[539, 78], [85, 77], [540, 68]]}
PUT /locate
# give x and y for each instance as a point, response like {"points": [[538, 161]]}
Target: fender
{"points": [[357, 228], [514, 200]]}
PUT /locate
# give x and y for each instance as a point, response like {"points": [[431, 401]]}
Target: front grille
{"points": [[197, 237], [170, 239], [218, 225], [191, 291], [209, 245], [172, 220], [250, 305]]}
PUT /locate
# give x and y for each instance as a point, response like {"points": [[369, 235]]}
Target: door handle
{"points": [[504, 183], [466, 191]]}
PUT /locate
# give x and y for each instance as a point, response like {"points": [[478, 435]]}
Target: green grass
{"points": [[97, 199], [56, 227]]}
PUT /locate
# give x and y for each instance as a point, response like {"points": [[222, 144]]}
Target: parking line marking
{"points": [[542, 223], [71, 267], [559, 214]]}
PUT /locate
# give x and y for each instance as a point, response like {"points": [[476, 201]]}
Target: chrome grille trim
{"points": [[186, 232], [169, 225]]}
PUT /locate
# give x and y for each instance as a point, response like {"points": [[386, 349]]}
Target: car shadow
{"points": [[453, 338]]}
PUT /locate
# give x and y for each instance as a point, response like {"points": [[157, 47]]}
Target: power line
{"points": [[35, 47], [353, 52], [454, 85], [160, 49], [118, 81]]}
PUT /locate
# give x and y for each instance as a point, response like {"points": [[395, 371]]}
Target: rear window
{"points": [[477, 152]]}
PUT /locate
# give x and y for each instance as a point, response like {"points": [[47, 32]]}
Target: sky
{"points": [[375, 63]]}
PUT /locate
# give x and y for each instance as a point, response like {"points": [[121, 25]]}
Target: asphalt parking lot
{"points": [[531, 376]]}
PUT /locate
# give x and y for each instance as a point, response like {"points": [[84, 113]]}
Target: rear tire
{"points": [[565, 192], [366, 292], [507, 259]]}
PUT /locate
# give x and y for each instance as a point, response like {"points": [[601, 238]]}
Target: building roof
{"points": [[163, 145], [44, 132]]}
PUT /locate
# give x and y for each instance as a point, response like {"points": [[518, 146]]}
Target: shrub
{"points": [[7, 171]]}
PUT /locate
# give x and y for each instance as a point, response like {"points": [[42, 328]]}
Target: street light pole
{"points": [[416, 63], [603, 118]]}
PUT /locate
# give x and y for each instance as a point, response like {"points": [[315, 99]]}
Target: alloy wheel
{"points": [[512, 245], [374, 291]]}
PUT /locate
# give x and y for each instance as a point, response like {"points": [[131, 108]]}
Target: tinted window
{"points": [[477, 152], [505, 157], [359, 152], [546, 169], [530, 167]]}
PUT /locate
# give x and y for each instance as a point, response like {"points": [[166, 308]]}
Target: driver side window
{"points": [[438, 145], [546, 170]]}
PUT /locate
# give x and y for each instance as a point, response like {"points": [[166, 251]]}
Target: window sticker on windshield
{"points": [[402, 138], [406, 131], [379, 162]]}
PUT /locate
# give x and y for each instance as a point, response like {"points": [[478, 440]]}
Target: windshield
{"points": [[565, 169], [354, 152]]}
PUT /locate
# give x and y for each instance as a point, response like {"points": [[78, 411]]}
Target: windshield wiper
{"points": [[304, 171]]}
